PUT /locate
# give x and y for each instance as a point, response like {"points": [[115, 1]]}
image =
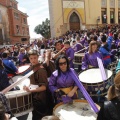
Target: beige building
{"points": [[82, 14]]}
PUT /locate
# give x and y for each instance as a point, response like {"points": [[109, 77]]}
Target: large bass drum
{"points": [[79, 110], [92, 81], [20, 101]]}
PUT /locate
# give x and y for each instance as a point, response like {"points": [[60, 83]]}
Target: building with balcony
{"points": [[82, 14], [16, 29]]}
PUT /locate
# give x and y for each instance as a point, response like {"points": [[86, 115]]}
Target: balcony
{"points": [[20, 35]]}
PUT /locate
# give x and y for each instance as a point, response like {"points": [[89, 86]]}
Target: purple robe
{"points": [[20, 57], [117, 42], [78, 47], [84, 42], [64, 80], [91, 59], [70, 54]]}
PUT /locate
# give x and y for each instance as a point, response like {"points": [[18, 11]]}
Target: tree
{"points": [[43, 29]]}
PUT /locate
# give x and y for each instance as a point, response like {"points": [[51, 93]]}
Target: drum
{"points": [[79, 110], [23, 70], [112, 66], [92, 81], [26, 82], [78, 58], [20, 102]]}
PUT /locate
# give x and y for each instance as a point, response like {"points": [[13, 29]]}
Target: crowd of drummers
{"points": [[55, 58]]}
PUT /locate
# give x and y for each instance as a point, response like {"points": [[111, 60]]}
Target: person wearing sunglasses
{"points": [[61, 82]]}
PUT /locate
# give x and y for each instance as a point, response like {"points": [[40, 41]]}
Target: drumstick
{"points": [[22, 79], [102, 70], [17, 82], [82, 49], [83, 90]]}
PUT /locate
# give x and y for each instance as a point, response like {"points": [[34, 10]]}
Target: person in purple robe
{"points": [[78, 45], [61, 82], [90, 58], [69, 53], [21, 56]]}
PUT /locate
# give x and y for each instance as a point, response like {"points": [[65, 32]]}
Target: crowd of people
{"points": [[54, 59]]}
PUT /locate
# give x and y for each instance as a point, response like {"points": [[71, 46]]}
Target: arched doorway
{"points": [[74, 22]]}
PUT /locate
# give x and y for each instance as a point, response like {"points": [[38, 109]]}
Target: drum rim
{"points": [[99, 83], [16, 94], [19, 76], [79, 54], [23, 112], [76, 100]]}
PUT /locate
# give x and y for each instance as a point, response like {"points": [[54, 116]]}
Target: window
{"points": [[24, 21], [112, 3], [15, 6], [118, 16], [104, 16], [23, 30], [118, 3], [17, 29], [0, 17], [10, 3], [16, 15], [27, 31], [103, 3], [112, 16]]}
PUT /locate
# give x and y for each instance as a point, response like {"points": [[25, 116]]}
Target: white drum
{"points": [[26, 82], [78, 57], [92, 81], [20, 102], [79, 110]]}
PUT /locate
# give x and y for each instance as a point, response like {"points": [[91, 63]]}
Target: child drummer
{"points": [[39, 80]]}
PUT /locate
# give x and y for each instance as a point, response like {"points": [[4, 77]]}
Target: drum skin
{"points": [[80, 109], [26, 82], [23, 70]]}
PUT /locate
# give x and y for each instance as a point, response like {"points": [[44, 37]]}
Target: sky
{"points": [[37, 10]]}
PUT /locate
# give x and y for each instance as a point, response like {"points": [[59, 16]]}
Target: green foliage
{"points": [[43, 29]]}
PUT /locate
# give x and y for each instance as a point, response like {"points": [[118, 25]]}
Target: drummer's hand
{"points": [[63, 49], [24, 87], [28, 89], [23, 60], [70, 94]]}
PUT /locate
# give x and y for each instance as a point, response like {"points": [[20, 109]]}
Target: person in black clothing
{"points": [[111, 108]]}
